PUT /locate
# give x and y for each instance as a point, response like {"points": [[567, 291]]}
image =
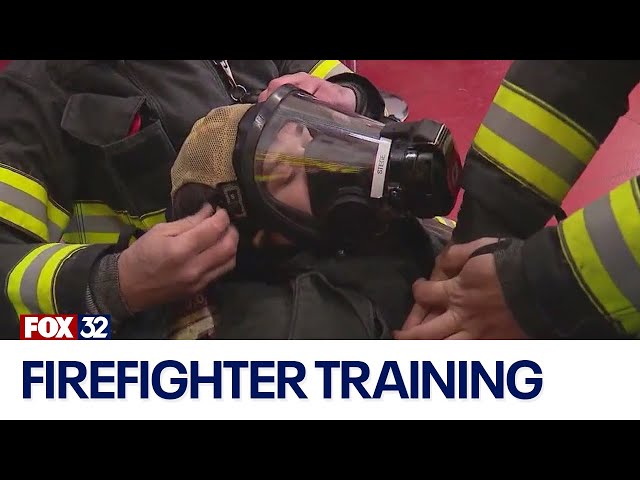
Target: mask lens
{"points": [[280, 169], [308, 153]]}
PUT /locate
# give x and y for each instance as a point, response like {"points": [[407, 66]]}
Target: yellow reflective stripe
{"points": [[15, 279], [96, 208], [586, 264], [48, 276], [624, 203], [57, 216], [31, 283], [328, 68], [547, 120], [143, 222], [153, 218], [446, 221], [534, 143], [91, 238], [25, 200], [603, 251], [518, 164], [323, 67], [629, 224], [95, 222], [24, 220], [73, 237]]}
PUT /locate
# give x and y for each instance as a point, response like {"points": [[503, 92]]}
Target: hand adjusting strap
{"points": [[501, 244]]}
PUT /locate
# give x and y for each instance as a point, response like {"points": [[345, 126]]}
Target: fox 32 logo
{"points": [[65, 327]]}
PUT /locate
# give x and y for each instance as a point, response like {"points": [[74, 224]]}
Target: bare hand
{"points": [[342, 98], [418, 313], [448, 264], [177, 259], [473, 303]]}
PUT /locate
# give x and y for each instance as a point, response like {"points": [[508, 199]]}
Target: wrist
{"points": [[476, 221], [516, 291], [103, 291], [128, 293]]}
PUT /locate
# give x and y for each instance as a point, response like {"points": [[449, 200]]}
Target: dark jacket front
{"points": [[78, 173], [290, 293]]}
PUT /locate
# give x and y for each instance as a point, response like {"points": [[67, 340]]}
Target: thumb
{"points": [[429, 294], [187, 223]]}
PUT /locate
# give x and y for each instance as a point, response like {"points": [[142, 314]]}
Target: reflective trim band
{"points": [[628, 219], [328, 68], [150, 219], [446, 221], [547, 120], [31, 283], [519, 165], [143, 222], [534, 143], [24, 202], [91, 238], [95, 222], [602, 244]]}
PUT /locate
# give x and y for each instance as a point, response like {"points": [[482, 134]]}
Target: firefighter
{"points": [[509, 276], [86, 148]]}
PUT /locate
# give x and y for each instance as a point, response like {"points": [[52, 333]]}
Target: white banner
{"points": [[319, 380]]}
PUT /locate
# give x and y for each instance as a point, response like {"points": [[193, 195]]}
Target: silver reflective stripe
{"points": [[337, 70], [534, 143], [613, 251], [28, 204], [29, 283], [95, 224]]}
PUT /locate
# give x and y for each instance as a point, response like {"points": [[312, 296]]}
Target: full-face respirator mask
{"points": [[317, 175]]}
